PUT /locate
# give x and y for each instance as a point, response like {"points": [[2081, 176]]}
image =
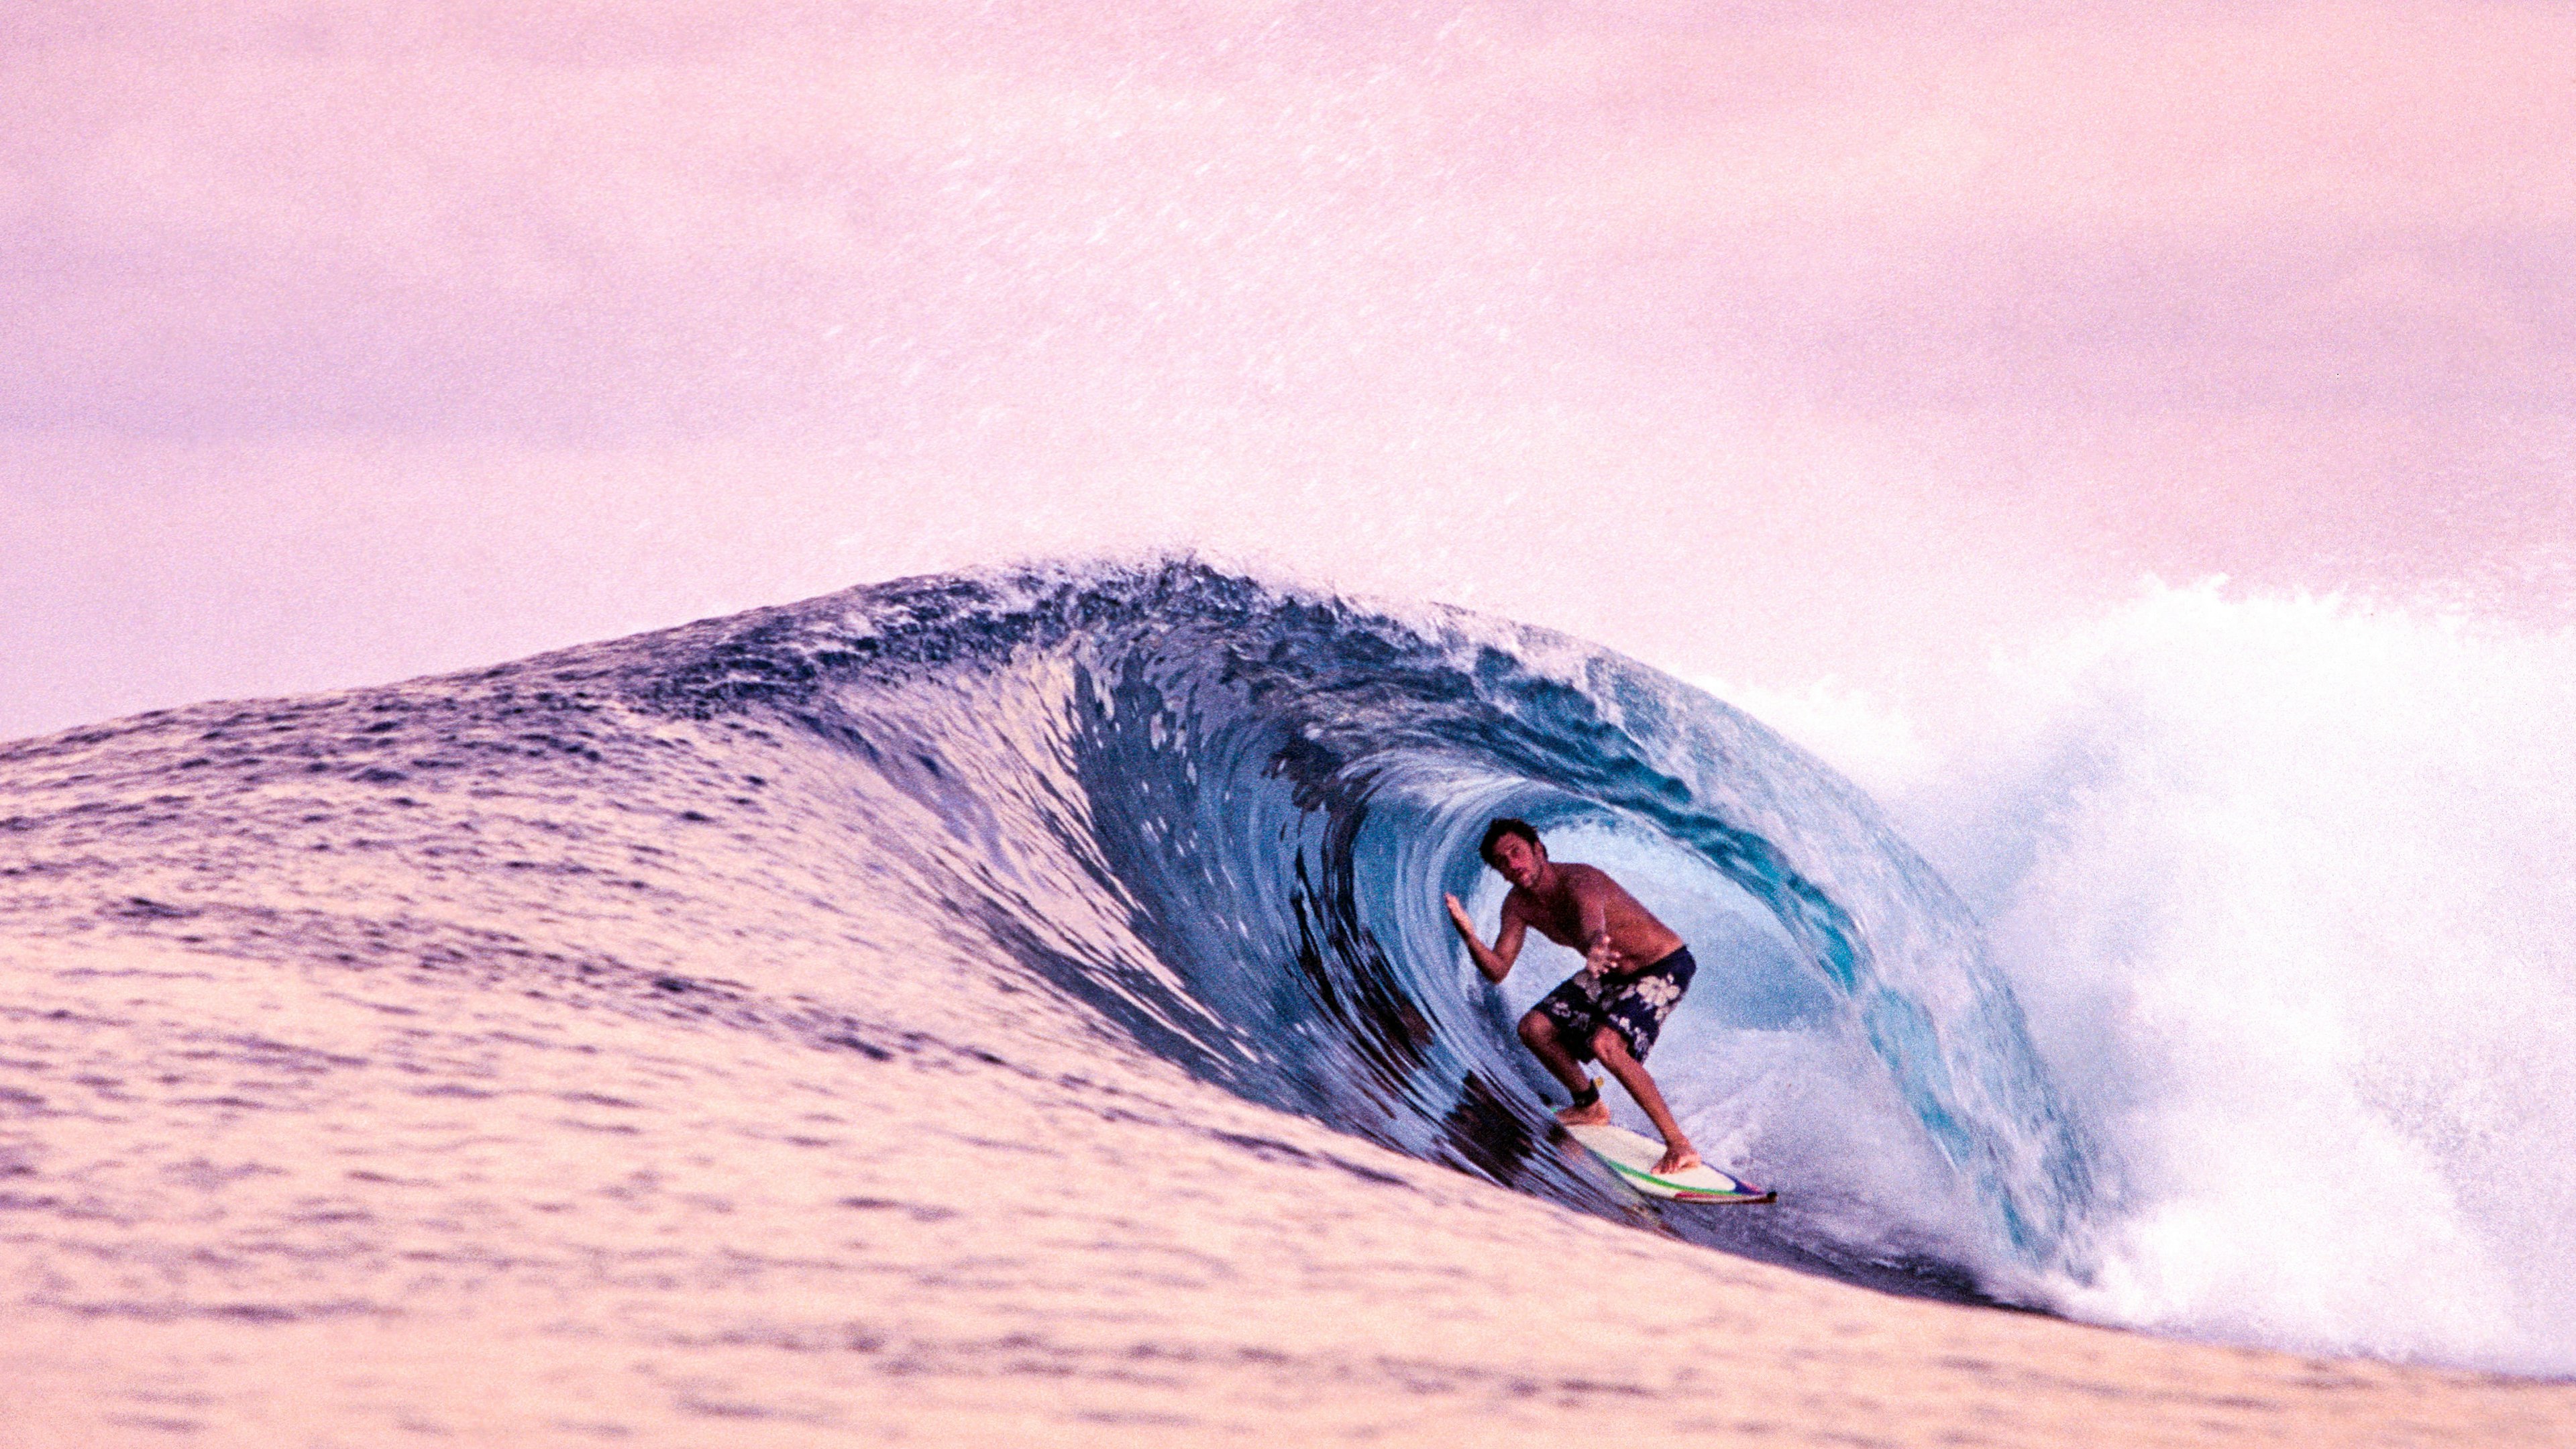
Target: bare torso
{"points": [[1635, 934]]}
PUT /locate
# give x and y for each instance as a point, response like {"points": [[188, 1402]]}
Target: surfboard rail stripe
{"points": [[1749, 1193], [1626, 1154]]}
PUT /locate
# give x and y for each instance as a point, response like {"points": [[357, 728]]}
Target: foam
{"points": [[2288, 887]]}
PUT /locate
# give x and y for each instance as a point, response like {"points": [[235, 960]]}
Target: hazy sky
{"points": [[340, 342]]}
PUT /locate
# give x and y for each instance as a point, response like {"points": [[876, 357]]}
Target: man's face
{"points": [[1518, 860]]}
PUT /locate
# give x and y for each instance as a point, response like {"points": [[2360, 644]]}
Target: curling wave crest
{"points": [[1222, 814]]}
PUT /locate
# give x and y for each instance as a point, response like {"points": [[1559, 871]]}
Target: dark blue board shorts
{"points": [[1633, 1005]]}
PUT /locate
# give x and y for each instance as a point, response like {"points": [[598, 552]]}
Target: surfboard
{"points": [[1633, 1157]]}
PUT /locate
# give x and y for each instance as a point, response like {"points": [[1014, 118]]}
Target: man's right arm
{"points": [[1495, 960]]}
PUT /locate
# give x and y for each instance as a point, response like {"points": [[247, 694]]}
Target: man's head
{"points": [[1512, 848]]}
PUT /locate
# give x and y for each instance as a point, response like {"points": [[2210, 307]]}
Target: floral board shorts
{"points": [[1634, 1005]]}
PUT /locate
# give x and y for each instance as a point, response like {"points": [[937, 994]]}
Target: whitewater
{"points": [[2288, 886], [1020, 1002]]}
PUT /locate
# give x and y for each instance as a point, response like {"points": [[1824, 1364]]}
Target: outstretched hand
{"points": [[1458, 914]]}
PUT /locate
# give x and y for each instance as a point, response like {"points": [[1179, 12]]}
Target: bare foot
{"points": [[1676, 1159], [1596, 1115]]}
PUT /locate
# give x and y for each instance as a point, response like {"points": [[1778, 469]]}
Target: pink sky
{"points": [[347, 341]]}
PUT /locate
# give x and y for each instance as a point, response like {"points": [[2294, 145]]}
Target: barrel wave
{"points": [[1221, 814], [1089, 824]]}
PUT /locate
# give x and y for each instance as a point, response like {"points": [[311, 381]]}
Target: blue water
{"points": [[1271, 790]]}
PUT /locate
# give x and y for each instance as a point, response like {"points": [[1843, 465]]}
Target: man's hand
{"points": [[1495, 960], [1603, 959]]}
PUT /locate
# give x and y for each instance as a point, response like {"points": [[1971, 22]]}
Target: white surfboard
{"points": [[1634, 1157]]}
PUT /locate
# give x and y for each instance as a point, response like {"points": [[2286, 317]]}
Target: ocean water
{"points": [[2208, 981]]}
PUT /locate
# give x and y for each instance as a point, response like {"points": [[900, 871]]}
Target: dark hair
{"points": [[1495, 832]]}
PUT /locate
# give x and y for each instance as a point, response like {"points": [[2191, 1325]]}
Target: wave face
{"points": [[1222, 815]]}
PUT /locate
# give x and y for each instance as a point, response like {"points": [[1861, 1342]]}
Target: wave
{"points": [[2261, 1038], [1210, 817], [1222, 813]]}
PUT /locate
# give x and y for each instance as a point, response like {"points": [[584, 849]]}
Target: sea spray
{"points": [[2288, 887]]}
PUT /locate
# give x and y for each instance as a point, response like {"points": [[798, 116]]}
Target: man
{"points": [[1634, 970]]}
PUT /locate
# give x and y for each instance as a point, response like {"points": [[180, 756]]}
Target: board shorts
{"points": [[1634, 1005]]}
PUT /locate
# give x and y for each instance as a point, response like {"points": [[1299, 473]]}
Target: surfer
{"points": [[1634, 970]]}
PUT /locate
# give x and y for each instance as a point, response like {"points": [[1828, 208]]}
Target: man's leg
{"points": [[1612, 1049], [1538, 1033]]}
